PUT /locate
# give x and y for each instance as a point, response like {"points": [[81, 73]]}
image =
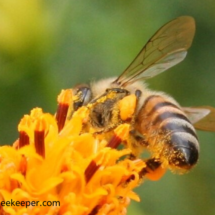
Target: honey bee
{"points": [[158, 122]]}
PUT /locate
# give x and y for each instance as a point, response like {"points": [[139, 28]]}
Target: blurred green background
{"points": [[46, 46]]}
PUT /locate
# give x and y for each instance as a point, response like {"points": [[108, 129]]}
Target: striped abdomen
{"points": [[168, 132]]}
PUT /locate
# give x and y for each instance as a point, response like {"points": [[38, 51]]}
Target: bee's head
{"points": [[82, 95]]}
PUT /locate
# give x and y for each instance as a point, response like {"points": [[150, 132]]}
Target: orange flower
{"points": [[56, 160]]}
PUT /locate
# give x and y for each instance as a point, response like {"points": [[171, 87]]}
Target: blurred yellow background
{"points": [[46, 46]]}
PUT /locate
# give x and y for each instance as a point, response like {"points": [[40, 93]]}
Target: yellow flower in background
{"points": [[58, 162], [23, 25]]}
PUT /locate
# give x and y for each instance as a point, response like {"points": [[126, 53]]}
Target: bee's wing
{"points": [[203, 118], [165, 49]]}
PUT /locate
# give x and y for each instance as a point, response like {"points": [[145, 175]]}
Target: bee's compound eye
{"points": [[83, 94]]}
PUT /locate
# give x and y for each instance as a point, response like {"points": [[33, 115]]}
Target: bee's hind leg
{"points": [[153, 170]]}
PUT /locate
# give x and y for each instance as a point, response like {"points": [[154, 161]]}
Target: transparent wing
{"points": [[165, 49], [203, 118]]}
